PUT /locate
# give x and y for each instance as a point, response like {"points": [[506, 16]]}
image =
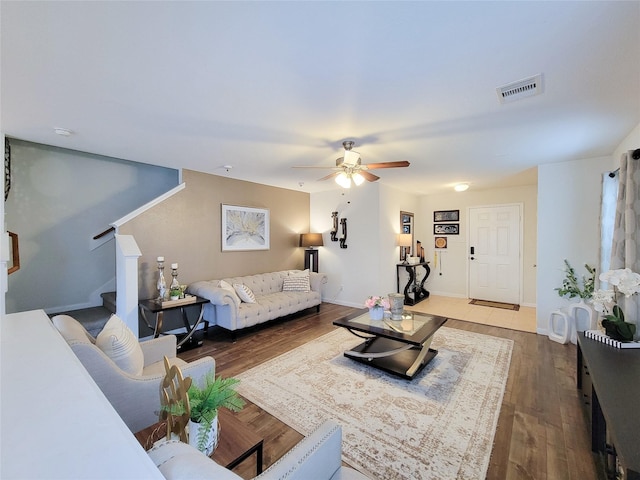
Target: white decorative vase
{"points": [[584, 318], [376, 313], [211, 441]]}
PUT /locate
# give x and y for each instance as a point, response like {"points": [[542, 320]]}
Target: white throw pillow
{"points": [[296, 283], [303, 273], [227, 286], [245, 293], [119, 343]]}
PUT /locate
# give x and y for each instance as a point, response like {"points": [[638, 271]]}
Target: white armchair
{"points": [[136, 398], [316, 457]]}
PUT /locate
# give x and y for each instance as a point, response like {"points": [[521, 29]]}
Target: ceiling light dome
{"points": [[461, 187], [343, 180]]}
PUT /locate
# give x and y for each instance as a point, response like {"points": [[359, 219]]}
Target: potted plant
{"points": [[204, 401]]}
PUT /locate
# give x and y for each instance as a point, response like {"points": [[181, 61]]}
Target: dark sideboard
{"points": [[609, 378]]}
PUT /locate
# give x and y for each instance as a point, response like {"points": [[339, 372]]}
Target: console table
{"points": [[185, 340], [414, 292], [609, 378]]}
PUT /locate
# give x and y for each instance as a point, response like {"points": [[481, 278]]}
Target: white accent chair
{"points": [[316, 457], [136, 398]]}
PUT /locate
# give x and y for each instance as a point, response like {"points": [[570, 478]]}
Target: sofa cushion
{"points": [[228, 287], [119, 343], [245, 293]]}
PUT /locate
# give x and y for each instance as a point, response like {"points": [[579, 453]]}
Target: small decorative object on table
{"points": [[396, 300], [606, 301], [376, 305], [162, 284], [174, 288]]}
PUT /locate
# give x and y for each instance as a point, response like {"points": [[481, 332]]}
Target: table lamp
{"points": [[404, 240], [311, 240]]}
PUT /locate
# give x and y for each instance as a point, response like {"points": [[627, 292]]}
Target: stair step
{"points": [[93, 319], [109, 301]]}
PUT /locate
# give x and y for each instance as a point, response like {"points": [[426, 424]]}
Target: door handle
{"points": [[473, 250]]}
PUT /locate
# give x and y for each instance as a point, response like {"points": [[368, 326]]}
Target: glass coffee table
{"points": [[400, 347]]}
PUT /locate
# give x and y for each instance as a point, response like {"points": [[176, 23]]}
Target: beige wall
{"points": [[186, 229]]}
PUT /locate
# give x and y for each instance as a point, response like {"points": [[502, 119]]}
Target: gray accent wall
{"points": [[59, 200]]}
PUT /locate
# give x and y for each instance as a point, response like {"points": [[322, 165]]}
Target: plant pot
{"points": [[376, 313], [206, 442]]}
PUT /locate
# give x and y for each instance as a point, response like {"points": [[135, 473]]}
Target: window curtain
{"points": [[607, 219], [625, 252]]}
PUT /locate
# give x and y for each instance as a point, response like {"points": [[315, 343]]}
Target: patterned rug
{"points": [[440, 425]]}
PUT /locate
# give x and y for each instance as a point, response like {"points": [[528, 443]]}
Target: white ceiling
{"points": [[264, 86]]}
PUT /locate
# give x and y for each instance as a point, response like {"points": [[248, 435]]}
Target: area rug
{"points": [[487, 303], [440, 425]]}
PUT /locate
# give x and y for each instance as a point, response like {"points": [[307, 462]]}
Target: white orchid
{"points": [[626, 281], [603, 300], [623, 281]]}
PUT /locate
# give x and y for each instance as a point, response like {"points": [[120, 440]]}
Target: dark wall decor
{"points": [[334, 230], [446, 229], [343, 238], [446, 216]]}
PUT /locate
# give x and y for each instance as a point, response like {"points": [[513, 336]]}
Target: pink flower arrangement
{"points": [[375, 301]]}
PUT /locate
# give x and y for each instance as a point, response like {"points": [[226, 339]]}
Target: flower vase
{"points": [[583, 317], [210, 441], [376, 313]]}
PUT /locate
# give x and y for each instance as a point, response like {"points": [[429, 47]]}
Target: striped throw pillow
{"points": [[245, 293], [296, 284]]}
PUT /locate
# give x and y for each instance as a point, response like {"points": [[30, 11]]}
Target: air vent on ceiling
{"points": [[524, 88]]}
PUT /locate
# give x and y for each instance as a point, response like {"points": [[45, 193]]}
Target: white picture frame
{"points": [[244, 228]]}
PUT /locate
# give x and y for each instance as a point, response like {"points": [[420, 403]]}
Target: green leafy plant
{"points": [[205, 400], [570, 285]]}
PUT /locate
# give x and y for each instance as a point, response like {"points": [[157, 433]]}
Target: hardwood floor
{"points": [[542, 431]]}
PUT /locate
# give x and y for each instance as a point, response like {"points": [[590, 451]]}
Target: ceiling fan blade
{"points": [[331, 175], [373, 166], [370, 177], [303, 166]]}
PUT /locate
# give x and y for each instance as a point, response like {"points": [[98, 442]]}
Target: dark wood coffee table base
{"points": [[392, 356]]}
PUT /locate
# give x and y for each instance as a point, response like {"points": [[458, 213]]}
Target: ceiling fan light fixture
{"points": [[351, 157], [358, 179], [343, 180], [461, 187]]}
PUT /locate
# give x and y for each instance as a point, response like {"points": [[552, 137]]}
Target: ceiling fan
{"points": [[349, 168]]}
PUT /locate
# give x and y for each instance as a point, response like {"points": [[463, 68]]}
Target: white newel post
{"points": [[127, 254]]}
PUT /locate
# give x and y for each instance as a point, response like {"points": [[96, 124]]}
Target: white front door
{"points": [[494, 253]]}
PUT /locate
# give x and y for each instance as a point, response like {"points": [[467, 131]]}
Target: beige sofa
{"points": [[276, 294]]}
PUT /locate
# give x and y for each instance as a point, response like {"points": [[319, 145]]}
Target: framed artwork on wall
{"points": [[446, 216], [440, 242], [244, 228], [446, 229]]}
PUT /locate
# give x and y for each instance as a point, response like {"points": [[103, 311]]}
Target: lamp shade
{"points": [[404, 239], [311, 240]]}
